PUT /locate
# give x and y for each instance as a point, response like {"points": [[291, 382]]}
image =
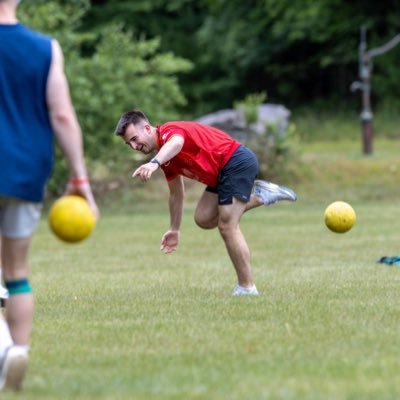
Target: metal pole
{"points": [[365, 68], [366, 115]]}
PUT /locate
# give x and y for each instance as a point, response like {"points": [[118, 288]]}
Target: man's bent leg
{"points": [[206, 214]]}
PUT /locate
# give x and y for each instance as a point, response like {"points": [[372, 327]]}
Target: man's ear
{"points": [[147, 127]]}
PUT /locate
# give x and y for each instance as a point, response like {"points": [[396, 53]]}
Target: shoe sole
{"points": [[16, 367], [289, 193]]}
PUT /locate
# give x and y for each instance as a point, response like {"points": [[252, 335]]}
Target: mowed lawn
{"points": [[117, 319]]}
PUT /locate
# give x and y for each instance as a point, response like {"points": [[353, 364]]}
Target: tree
{"points": [[298, 51], [110, 71]]}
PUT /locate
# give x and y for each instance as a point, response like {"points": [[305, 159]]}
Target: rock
{"points": [[234, 123]]}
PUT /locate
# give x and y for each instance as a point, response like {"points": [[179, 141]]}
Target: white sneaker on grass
{"points": [[242, 291], [13, 368], [270, 193]]}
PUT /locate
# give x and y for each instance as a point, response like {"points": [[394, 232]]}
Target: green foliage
{"points": [[301, 52], [60, 19], [276, 152], [298, 51], [110, 72], [123, 73], [249, 106], [385, 80], [274, 148]]}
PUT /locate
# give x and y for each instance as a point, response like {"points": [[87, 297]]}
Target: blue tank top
{"points": [[26, 138]]}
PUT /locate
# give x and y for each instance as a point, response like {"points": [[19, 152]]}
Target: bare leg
{"points": [[19, 309], [238, 250], [253, 203], [207, 214]]}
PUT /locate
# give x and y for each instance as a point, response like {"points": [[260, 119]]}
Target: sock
{"points": [[22, 348], [1, 281], [5, 337], [248, 289]]}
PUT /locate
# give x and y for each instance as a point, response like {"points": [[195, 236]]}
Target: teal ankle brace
{"points": [[19, 286]]}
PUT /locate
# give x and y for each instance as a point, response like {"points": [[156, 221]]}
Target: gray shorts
{"points": [[18, 218]]}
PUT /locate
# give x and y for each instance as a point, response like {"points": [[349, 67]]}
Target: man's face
{"points": [[139, 138]]}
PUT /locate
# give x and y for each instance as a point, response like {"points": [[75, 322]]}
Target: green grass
{"points": [[344, 124], [117, 319], [328, 170]]}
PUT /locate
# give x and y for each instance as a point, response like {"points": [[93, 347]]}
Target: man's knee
{"points": [[205, 223], [225, 228]]}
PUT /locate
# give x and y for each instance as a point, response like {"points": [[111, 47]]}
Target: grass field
{"points": [[117, 319]]}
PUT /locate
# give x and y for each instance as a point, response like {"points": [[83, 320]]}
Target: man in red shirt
{"points": [[212, 157]]}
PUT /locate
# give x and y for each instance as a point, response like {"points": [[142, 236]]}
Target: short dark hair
{"points": [[130, 117]]}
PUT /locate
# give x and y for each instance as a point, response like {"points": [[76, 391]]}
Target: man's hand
{"points": [[145, 171], [170, 241], [81, 187]]}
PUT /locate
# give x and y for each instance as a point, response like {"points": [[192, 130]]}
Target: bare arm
{"points": [[176, 198], [170, 149], [166, 153], [170, 239], [66, 127]]}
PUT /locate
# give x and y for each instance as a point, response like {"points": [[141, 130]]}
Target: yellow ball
{"points": [[71, 219], [340, 217]]}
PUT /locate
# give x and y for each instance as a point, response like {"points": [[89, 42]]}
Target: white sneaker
{"points": [[242, 291], [13, 368], [270, 193]]}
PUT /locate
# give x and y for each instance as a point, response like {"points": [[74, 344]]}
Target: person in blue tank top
{"points": [[34, 103]]}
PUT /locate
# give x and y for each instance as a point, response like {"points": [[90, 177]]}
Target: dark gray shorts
{"points": [[237, 177], [18, 218]]}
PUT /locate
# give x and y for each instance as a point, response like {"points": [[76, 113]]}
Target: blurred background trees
{"points": [[298, 51], [185, 58]]}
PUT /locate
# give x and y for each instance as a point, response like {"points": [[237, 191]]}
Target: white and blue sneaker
{"points": [[270, 193], [242, 291], [13, 367]]}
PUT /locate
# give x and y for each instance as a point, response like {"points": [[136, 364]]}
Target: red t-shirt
{"points": [[205, 152]]}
